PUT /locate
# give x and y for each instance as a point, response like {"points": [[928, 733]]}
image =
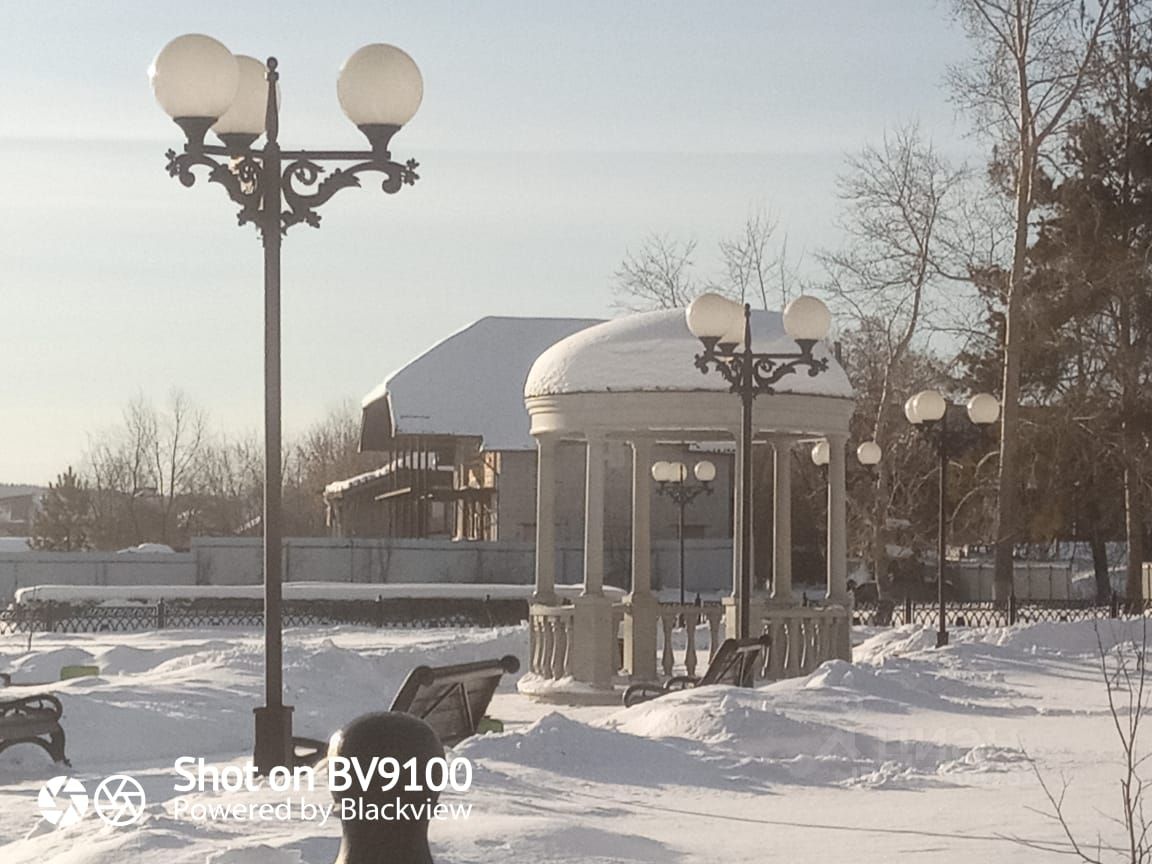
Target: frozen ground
{"points": [[912, 751]]}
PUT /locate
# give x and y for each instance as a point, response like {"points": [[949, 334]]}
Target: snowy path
{"points": [[910, 751]]}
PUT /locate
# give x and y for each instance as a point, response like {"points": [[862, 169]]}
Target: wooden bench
{"points": [[450, 699], [733, 664], [33, 720]]}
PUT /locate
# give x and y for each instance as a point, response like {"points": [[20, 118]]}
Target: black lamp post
{"points": [[725, 330], [203, 87], [671, 480], [928, 410]]}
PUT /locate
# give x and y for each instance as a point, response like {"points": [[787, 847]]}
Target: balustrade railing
{"points": [[551, 637], [803, 637], [682, 624]]}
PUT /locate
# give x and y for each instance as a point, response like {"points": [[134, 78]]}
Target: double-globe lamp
{"points": [[868, 454], [677, 472], [928, 410], [202, 85], [715, 319]]}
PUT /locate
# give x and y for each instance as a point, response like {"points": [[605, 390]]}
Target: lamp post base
{"points": [[273, 745], [941, 638]]}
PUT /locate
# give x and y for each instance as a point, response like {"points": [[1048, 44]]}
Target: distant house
{"points": [[458, 459], [18, 505]]}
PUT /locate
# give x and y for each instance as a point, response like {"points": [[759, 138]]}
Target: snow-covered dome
{"points": [[655, 351]]}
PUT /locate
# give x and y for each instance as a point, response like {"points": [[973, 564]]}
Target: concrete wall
{"points": [[22, 569], [238, 561], [1034, 580]]}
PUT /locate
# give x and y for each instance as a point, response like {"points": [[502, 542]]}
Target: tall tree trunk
{"points": [[1133, 520], [1100, 566], [1007, 503]]}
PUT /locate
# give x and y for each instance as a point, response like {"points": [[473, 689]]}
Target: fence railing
{"points": [[802, 638], [551, 634], [392, 612], [986, 613], [680, 622]]}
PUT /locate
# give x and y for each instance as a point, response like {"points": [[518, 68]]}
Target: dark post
{"points": [[747, 394], [274, 719], [1012, 608], [942, 447], [161, 615], [907, 607]]}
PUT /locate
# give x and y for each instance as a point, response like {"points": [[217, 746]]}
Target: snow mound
{"points": [[900, 685], [561, 745], [987, 759]]}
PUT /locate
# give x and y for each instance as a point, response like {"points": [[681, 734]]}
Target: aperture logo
{"points": [[63, 801], [119, 801]]}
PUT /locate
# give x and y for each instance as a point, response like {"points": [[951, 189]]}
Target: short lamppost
{"points": [[868, 455], [928, 410], [724, 327], [671, 480], [203, 86]]}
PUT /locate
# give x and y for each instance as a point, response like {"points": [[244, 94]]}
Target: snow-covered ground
{"points": [[911, 751]]}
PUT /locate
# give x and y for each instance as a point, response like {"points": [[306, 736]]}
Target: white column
{"points": [[641, 517], [641, 618], [594, 516], [782, 522], [594, 649], [546, 447], [837, 522]]}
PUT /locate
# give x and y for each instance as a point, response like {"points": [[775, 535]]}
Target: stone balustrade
{"points": [[551, 640], [803, 637], [673, 616]]}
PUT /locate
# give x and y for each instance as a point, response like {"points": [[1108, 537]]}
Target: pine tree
{"points": [[65, 518]]}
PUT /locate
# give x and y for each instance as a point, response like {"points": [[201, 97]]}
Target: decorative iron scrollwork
{"points": [[302, 204], [304, 183], [766, 370], [240, 177]]}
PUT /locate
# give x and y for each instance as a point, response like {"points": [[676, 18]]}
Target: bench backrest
{"points": [[735, 662], [452, 699]]}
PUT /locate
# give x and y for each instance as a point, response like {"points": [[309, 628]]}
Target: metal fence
{"points": [[393, 612], [986, 613]]}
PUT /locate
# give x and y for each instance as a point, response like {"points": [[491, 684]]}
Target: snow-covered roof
{"points": [[655, 351], [404, 460], [470, 384]]}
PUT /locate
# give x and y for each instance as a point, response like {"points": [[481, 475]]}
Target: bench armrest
{"points": [[638, 693]]}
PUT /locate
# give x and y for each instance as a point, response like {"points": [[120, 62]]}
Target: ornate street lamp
{"points": [[671, 480], [928, 410], [868, 454], [204, 87], [725, 330]]}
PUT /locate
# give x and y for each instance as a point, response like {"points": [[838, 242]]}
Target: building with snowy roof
{"points": [[458, 459]]}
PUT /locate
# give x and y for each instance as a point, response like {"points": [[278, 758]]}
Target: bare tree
{"points": [[180, 433], [658, 276], [753, 269], [1033, 60], [141, 470], [898, 199]]}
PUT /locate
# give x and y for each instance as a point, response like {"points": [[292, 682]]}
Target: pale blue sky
{"points": [[552, 137]]}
